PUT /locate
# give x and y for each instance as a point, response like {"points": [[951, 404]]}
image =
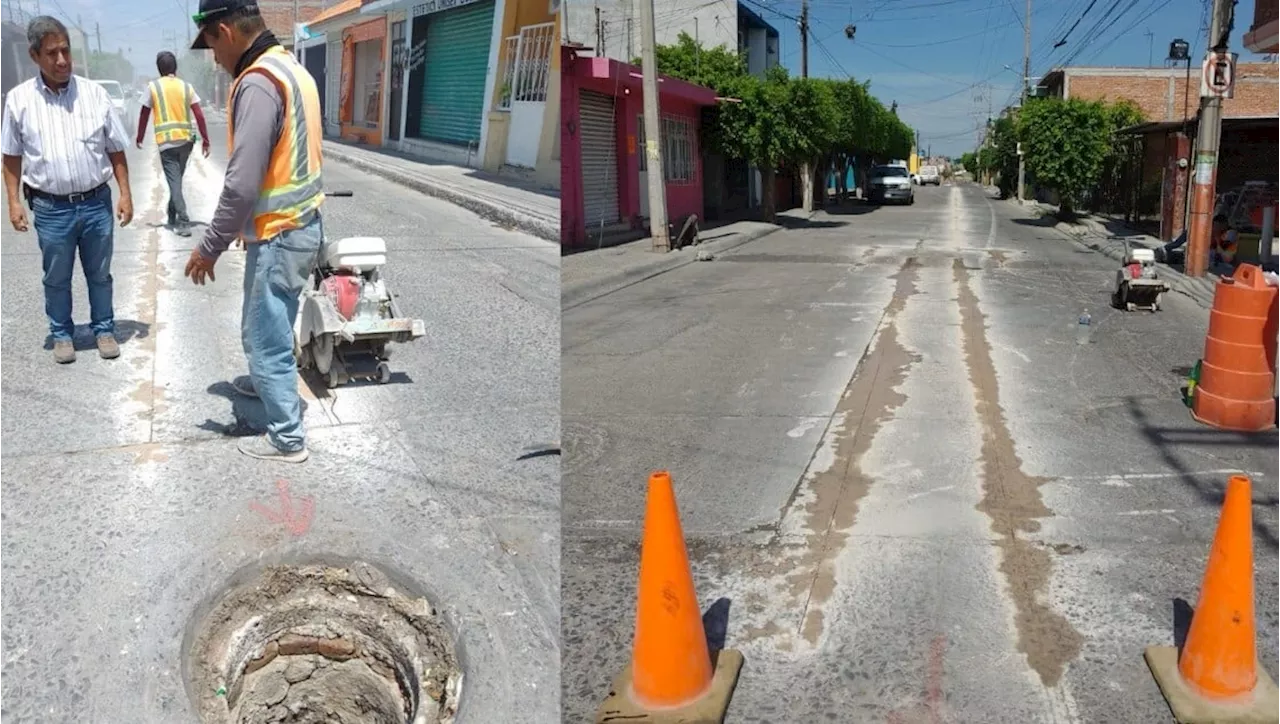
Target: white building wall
{"points": [[713, 25]]}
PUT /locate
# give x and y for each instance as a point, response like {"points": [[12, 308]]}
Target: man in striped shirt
{"points": [[62, 142]]}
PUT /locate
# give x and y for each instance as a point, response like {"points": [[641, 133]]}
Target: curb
{"points": [[487, 208], [578, 294], [1085, 235]]}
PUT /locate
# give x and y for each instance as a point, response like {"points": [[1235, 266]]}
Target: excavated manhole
{"points": [[313, 644]]}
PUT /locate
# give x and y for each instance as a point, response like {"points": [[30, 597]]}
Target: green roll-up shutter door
{"points": [[456, 63]]}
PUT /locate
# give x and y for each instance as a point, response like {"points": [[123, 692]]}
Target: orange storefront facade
{"points": [[360, 87]]}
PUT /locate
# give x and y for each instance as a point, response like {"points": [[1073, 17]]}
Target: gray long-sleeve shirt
{"points": [[259, 118]]}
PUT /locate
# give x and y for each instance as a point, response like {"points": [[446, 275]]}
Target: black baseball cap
{"points": [[211, 10]]}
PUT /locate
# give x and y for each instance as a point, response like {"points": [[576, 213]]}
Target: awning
{"points": [[1234, 123], [381, 6], [342, 8]]}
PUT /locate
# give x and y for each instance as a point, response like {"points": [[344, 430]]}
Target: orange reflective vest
{"points": [[171, 104], [292, 190]]}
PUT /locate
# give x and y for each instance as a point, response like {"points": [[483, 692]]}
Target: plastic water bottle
{"points": [[1083, 328]]}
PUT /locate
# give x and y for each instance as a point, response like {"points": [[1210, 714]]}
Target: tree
{"points": [[778, 120], [1000, 159], [1071, 147], [714, 68]]}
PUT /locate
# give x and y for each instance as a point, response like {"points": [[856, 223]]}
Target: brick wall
{"points": [[1161, 94], [279, 15]]}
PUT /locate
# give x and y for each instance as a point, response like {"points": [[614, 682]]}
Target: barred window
{"points": [[677, 150]]}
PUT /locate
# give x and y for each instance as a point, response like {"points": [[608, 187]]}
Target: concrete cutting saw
{"points": [[347, 316], [1138, 284]]}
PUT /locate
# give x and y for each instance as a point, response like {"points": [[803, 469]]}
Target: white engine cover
{"points": [[356, 253], [1142, 256]]}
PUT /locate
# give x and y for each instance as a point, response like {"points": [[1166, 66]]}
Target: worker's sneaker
{"points": [[64, 352], [108, 347], [244, 385], [262, 449]]}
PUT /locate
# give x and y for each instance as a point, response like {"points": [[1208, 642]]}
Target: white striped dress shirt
{"points": [[63, 136]]}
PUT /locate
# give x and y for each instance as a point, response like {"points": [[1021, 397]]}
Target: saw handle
{"points": [[345, 194]]}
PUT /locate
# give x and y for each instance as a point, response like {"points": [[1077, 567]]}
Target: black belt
{"points": [[36, 193]]}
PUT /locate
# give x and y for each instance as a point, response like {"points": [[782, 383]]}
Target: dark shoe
{"points": [[182, 230], [262, 449], [244, 385], [108, 347], [64, 352]]}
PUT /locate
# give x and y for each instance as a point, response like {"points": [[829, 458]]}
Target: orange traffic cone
{"points": [[1216, 677], [671, 677]]}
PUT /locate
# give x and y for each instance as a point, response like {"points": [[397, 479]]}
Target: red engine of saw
{"points": [[344, 290]]}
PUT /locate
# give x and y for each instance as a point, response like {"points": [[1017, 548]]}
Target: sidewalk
{"points": [[588, 275], [1108, 237], [495, 198]]}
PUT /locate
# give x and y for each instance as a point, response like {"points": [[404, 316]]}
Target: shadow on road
{"points": [[249, 416], [83, 338], [1168, 440]]}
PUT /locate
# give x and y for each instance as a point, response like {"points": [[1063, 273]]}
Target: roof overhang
{"points": [[1264, 38], [1232, 123], [625, 75]]}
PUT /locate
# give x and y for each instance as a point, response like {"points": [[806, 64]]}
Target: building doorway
{"points": [[399, 57]]}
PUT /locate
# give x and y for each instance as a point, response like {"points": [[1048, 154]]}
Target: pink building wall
{"points": [[677, 99]]}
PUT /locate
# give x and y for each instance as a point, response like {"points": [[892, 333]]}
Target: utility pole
{"points": [[1151, 39], [1026, 83], [97, 30], [804, 38], [293, 32], [653, 131], [1208, 135]]}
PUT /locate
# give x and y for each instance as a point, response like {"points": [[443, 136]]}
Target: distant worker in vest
{"points": [[271, 198], [175, 104]]}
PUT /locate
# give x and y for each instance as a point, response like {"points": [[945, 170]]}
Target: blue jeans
{"points": [[275, 273], [62, 229]]}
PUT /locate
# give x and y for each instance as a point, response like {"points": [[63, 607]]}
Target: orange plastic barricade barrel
{"points": [[1237, 375]]}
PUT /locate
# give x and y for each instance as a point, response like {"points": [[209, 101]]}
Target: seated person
{"points": [[1223, 242]]}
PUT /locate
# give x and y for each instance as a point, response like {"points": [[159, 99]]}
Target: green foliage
{"points": [[715, 68], [968, 161], [1070, 144], [780, 119], [1000, 158]]}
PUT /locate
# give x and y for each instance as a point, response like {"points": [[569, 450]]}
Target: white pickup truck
{"points": [[929, 175]]}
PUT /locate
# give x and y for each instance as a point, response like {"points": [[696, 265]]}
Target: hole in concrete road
{"points": [[313, 644]]}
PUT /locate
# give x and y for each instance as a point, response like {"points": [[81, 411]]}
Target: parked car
{"points": [[890, 183], [929, 175], [118, 101]]}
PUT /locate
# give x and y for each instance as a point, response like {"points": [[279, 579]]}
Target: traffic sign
{"points": [[1218, 75]]}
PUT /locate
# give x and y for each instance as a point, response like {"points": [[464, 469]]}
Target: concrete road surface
{"points": [[127, 506], [916, 496]]}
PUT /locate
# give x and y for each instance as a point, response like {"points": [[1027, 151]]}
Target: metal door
{"points": [[599, 160], [399, 56], [527, 86]]}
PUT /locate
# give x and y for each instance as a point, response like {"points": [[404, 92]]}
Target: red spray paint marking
{"points": [[930, 710], [933, 681], [296, 521]]}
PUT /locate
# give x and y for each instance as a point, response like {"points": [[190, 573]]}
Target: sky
{"points": [[138, 27], [942, 59]]}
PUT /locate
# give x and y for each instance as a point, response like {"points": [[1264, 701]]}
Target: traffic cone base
{"points": [[710, 708], [1260, 706]]}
